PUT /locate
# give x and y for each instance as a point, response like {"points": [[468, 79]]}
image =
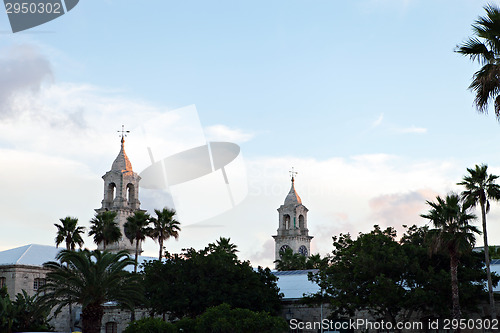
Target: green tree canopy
{"points": [[395, 279], [187, 284], [26, 313], [290, 261], [224, 319]]}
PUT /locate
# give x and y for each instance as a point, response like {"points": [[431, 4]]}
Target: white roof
{"points": [[37, 255], [294, 284], [32, 254]]}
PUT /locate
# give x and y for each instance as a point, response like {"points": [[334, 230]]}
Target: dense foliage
{"points": [[290, 261], [188, 284], [25, 313], [150, 325], [220, 319], [223, 319], [396, 279]]}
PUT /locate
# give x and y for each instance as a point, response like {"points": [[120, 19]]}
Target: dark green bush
{"points": [[150, 325], [223, 319]]}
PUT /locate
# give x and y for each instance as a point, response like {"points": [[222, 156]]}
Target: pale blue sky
{"points": [[309, 83]]}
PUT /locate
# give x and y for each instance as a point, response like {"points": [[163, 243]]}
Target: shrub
{"points": [[150, 325]]}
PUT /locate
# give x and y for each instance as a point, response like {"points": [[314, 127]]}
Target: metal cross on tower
{"points": [[123, 132], [293, 174]]}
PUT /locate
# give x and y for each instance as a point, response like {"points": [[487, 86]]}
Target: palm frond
{"points": [[486, 85], [476, 50]]}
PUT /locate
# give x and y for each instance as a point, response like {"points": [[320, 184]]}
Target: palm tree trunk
{"points": [[454, 286], [132, 311], [68, 247], [92, 318], [160, 241], [493, 312], [136, 254]]}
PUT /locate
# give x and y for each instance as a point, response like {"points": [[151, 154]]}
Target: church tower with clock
{"points": [[292, 227]]}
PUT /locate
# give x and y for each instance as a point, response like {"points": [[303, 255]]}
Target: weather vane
{"points": [[123, 132], [293, 173]]}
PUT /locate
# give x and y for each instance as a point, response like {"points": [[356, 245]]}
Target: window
{"points": [[301, 222], [38, 283], [286, 221], [3, 282], [110, 195], [111, 327], [130, 193]]}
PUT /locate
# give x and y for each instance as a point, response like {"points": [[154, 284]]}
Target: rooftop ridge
{"points": [[24, 253]]}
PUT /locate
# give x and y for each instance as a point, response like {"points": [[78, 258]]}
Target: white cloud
{"points": [[22, 69], [224, 133]]}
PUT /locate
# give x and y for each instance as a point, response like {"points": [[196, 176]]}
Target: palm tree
{"points": [[71, 234], [453, 234], [480, 188], [224, 245], [290, 261], [105, 229], [164, 227], [68, 232], [91, 278], [485, 48], [136, 229]]}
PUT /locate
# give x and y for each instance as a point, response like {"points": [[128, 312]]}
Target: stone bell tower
{"points": [[292, 227], [121, 195]]}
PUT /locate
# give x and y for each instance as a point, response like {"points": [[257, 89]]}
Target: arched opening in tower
{"points": [[130, 193], [110, 195], [286, 221]]}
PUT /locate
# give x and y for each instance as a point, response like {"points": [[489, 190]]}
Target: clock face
{"points": [[283, 249], [303, 250]]}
